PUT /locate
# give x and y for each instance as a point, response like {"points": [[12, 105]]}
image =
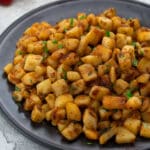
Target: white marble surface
{"points": [[10, 138]]}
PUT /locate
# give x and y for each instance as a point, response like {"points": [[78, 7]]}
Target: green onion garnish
{"points": [[71, 22], [107, 33], [54, 41], [135, 62], [128, 94]]}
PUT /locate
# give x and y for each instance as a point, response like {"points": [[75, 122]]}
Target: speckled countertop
{"points": [[10, 138]]}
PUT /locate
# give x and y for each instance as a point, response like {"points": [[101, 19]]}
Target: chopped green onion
{"points": [[135, 62], [17, 89], [134, 44], [82, 17], [107, 33], [128, 94], [64, 74], [54, 41], [71, 22], [89, 143], [65, 30], [142, 52], [20, 52], [45, 47], [60, 46]]}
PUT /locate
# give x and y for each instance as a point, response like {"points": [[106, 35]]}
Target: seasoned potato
{"points": [[124, 136], [72, 131], [62, 100], [143, 34], [71, 44], [121, 40], [145, 132], [60, 87], [108, 42], [62, 124], [112, 74], [82, 100], [50, 99], [146, 52], [145, 90], [133, 125], [104, 113], [114, 102], [73, 111], [51, 73], [125, 30], [75, 32], [144, 78], [144, 65], [8, 68], [73, 75], [87, 72]]}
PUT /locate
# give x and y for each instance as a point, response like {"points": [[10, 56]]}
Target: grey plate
{"points": [[53, 12]]}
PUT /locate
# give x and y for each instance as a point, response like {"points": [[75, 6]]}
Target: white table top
{"points": [[10, 138]]}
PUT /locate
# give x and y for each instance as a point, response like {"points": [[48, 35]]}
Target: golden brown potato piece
{"points": [[144, 65], [73, 111], [110, 12], [82, 100], [133, 125], [112, 75], [97, 92], [124, 136], [50, 99], [71, 44], [8, 68], [145, 130], [145, 90], [144, 78], [146, 52], [60, 87], [90, 119], [72, 131], [87, 72], [108, 42], [120, 86], [51, 73], [143, 34], [103, 52], [121, 40], [125, 30], [114, 102], [116, 22], [73, 75], [62, 124], [104, 113], [75, 32]]}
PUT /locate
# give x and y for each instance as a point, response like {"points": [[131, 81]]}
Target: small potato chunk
{"points": [[91, 134], [62, 100], [120, 86], [62, 124], [124, 136], [50, 99], [52, 46], [72, 131], [60, 87], [105, 23], [104, 114], [125, 30], [107, 135], [51, 73], [146, 52], [90, 119], [145, 90], [75, 32], [71, 44], [73, 112], [108, 42], [77, 87], [112, 75], [146, 116], [144, 65], [114, 102], [145, 130], [144, 78], [143, 35], [121, 40], [8, 68], [17, 96], [37, 115], [82, 100], [97, 92], [91, 59], [32, 61], [134, 103], [73, 75], [44, 87], [133, 125], [87, 72], [103, 52]]}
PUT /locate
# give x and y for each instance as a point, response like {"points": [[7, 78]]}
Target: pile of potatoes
{"points": [[89, 75]]}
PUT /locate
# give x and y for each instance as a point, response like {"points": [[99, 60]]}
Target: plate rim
{"points": [[25, 132]]}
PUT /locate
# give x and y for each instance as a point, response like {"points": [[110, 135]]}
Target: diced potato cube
{"points": [[62, 100], [144, 78], [32, 61], [62, 124], [108, 42], [75, 32], [146, 52], [77, 87], [73, 75], [87, 72], [144, 65], [8, 68], [17, 96], [71, 44], [124, 136], [103, 52], [37, 115], [72, 131], [120, 86], [91, 59], [82, 100], [90, 119], [133, 125], [73, 111], [114, 102], [107, 135], [44, 87], [104, 114], [51, 73], [50, 99], [143, 34], [121, 40], [134, 103], [145, 116], [110, 12], [125, 30], [145, 130], [60, 87], [97, 92], [145, 90], [112, 75]]}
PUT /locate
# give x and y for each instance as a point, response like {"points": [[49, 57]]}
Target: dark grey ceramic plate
{"points": [[52, 13]]}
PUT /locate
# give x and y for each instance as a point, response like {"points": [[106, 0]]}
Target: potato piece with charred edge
{"points": [[145, 90], [82, 100], [145, 130], [73, 75], [114, 102], [144, 65], [72, 131], [127, 30], [51, 73], [144, 78], [108, 42], [73, 111]]}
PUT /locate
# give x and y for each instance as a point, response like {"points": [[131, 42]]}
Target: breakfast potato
{"points": [[8, 68], [75, 32], [127, 30], [71, 44], [144, 65], [145, 132], [143, 34], [145, 90], [108, 42], [144, 78], [50, 99], [82, 100], [73, 75], [51, 73]]}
